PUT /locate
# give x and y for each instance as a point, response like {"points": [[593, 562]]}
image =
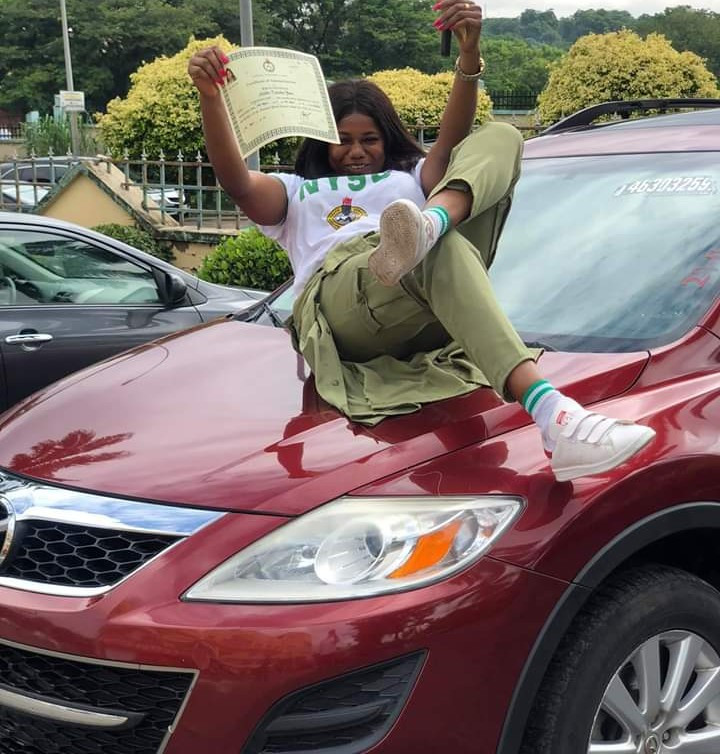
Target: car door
{"points": [[66, 302]]}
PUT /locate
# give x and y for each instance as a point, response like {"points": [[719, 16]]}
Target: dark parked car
{"points": [[199, 555], [70, 297]]}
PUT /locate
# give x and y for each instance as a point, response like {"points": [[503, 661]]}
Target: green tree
{"points": [[622, 66], [600, 21], [541, 27], [108, 41], [516, 65], [502, 27], [355, 37], [161, 110], [380, 35], [688, 29]]}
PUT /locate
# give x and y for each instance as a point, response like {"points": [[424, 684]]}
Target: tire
{"points": [[647, 622]]}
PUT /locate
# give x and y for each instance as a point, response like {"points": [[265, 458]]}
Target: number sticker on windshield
{"points": [[685, 184]]}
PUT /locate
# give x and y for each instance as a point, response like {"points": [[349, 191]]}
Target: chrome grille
{"points": [[60, 541]]}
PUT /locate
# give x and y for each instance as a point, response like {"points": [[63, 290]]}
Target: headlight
{"points": [[359, 547]]}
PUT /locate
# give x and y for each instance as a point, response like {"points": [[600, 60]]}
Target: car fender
{"points": [[652, 528]]}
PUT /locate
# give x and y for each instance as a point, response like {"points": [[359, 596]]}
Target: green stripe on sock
{"points": [[536, 398], [529, 392], [534, 393], [442, 213]]}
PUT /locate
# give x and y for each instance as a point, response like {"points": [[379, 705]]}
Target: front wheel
{"points": [[637, 673]]}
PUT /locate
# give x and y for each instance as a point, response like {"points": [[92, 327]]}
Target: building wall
{"points": [[9, 149], [84, 203]]}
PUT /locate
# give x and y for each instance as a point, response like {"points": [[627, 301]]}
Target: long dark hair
{"points": [[402, 150]]}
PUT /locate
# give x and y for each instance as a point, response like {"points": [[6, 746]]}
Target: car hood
{"points": [[225, 416]]}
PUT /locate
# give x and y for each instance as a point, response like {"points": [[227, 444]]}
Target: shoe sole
{"points": [[396, 254], [575, 472]]}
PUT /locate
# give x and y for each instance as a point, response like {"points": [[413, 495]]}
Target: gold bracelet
{"points": [[470, 76]]}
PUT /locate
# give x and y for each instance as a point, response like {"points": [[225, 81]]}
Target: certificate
{"points": [[271, 93]]}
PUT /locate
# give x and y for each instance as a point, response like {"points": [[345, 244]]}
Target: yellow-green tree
{"points": [[421, 96], [622, 66], [161, 110]]}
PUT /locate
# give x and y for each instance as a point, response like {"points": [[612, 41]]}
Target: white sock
{"points": [[548, 407], [437, 223]]}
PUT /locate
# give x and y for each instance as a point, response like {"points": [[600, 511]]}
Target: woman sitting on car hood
{"points": [[390, 250]]}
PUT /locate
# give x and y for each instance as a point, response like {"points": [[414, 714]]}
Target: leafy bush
{"points": [[622, 66], [139, 238], [162, 112], [49, 134], [422, 96], [248, 259]]}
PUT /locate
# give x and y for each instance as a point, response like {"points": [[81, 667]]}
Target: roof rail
{"points": [[624, 108]]}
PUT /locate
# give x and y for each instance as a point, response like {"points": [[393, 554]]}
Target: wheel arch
{"points": [[644, 541]]}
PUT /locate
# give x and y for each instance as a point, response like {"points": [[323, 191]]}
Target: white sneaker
{"points": [[403, 242], [590, 443]]}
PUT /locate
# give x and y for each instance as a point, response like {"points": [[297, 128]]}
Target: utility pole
{"points": [[246, 40], [74, 130]]}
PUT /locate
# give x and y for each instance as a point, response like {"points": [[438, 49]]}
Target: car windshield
{"points": [[606, 253], [611, 253]]}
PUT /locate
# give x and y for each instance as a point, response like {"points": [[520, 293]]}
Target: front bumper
{"points": [[230, 665]]}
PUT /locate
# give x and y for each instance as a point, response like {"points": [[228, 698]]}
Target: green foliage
{"points": [[248, 259], [688, 29], [516, 65], [50, 134], [622, 66], [600, 21], [109, 40], [421, 96], [139, 238], [161, 111], [546, 28]]}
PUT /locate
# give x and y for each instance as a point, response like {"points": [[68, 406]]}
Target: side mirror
{"points": [[175, 289]]}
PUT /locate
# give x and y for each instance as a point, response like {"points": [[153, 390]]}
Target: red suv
{"points": [[198, 556]]}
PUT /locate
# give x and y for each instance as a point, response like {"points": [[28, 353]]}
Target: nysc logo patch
{"points": [[345, 214]]}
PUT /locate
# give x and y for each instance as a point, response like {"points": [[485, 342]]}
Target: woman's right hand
{"points": [[207, 70]]}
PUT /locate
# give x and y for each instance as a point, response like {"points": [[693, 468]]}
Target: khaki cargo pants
{"points": [[447, 298]]}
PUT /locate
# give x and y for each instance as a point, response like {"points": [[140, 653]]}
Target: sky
{"points": [[511, 8]]}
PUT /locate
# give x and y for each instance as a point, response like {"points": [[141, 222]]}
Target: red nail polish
{"points": [[437, 24], [436, 6], [225, 59]]}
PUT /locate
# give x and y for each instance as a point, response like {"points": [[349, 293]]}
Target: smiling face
{"points": [[362, 148]]}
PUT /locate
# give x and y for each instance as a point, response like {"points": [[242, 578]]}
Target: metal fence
{"points": [[187, 191], [514, 101], [9, 131]]}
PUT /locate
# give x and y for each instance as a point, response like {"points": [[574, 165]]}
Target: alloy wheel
{"points": [[664, 699]]}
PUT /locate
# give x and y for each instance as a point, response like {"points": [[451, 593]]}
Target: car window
{"points": [[33, 173], [38, 268], [611, 253]]}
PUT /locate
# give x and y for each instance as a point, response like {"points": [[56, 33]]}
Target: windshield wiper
{"points": [[540, 344], [264, 307]]}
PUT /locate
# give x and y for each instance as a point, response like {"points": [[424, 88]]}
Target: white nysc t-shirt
{"points": [[324, 212]]}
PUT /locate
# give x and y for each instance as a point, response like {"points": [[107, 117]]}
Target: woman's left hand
{"points": [[464, 18]]}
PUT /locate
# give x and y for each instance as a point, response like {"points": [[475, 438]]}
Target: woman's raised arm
{"points": [[465, 21], [262, 198]]}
